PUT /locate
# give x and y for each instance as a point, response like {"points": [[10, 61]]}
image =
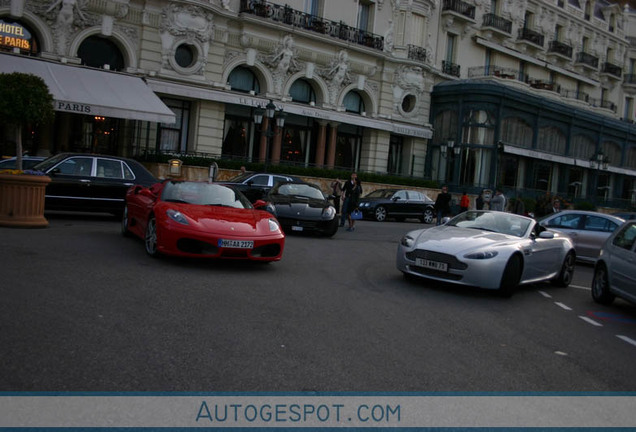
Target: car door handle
{"points": [[129, 184], [85, 181]]}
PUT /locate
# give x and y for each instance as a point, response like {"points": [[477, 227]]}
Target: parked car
{"points": [[488, 249], [27, 162], [255, 186], [302, 207], [614, 274], [200, 219], [399, 204], [625, 215], [90, 182], [588, 230]]}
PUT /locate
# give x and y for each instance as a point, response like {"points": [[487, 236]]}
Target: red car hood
{"points": [[222, 220]]}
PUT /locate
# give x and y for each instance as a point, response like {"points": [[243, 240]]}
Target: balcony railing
{"points": [[417, 53], [531, 36], [543, 85], [450, 68], [492, 70], [587, 59], [296, 18], [495, 21], [560, 48], [460, 7], [612, 69], [574, 94]]}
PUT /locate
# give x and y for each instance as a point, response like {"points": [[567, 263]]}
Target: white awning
{"points": [[87, 91]]}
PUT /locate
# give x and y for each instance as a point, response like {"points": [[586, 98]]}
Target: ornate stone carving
{"points": [[67, 16], [282, 62], [337, 75]]}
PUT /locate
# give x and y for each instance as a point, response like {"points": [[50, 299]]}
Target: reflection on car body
{"points": [[615, 269], [488, 249], [28, 162], [88, 182], [255, 186], [200, 219], [588, 230], [382, 204]]}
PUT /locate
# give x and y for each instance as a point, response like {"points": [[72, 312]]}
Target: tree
{"points": [[24, 100]]}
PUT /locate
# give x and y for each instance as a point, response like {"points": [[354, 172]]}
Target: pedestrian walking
{"points": [[464, 202], [336, 192], [442, 204], [354, 202], [347, 190], [498, 202]]}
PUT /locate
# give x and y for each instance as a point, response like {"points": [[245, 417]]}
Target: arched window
{"points": [[242, 79], [515, 131], [551, 140], [630, 161], [582, 147], [16, 35], [301, 91], [479, 127], [445, 126], [353, 103], [612, 152], [97, 51]]}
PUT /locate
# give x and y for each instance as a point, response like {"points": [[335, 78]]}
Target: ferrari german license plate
{"points": [[433, 265], [239, 244]]}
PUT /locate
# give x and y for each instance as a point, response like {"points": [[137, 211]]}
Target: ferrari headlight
{"points": [[482, 255], [329, 213], [177, 216], [273, 225], [407, 241]]}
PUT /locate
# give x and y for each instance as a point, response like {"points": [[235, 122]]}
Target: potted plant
{"points": [[24, 99]]}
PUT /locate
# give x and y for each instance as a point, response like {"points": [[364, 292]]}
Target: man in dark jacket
{"points": [[442, 204]]}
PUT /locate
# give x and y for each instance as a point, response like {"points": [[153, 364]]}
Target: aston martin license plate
{"points": [[239, 244], [433, 265]]}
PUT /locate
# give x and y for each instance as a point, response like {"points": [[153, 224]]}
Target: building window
{"points": [[17, 36], [394, 163], [353, 103], [515, 131], [451, 39], [582, 147], [479, 128], [174, 137], [100, 52], [629, 109], [365, 15], [301, 91], [551, 140], [242, 79], [185, 56]]}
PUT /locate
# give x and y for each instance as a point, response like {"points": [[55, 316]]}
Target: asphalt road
{"points": [[84, 309]]}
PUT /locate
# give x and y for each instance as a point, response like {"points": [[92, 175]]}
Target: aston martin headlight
{"points": [[274, 225], [482, 255], [329, 213], [177, 216], [407, 241]]}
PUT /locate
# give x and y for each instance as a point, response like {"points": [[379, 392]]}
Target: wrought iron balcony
{"points": [[460, 7], [296, 18], [497, 22], [417, 53], [574, 94], [612, 69], [450, 68], [543, 85], [587, 59], [560, 48], [492, 70], [531, 36]]}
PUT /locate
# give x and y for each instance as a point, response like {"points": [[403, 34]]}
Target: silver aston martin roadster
{"points": [[488, 249]]}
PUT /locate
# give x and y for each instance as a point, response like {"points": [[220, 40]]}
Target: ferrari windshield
{"points": [[499, 222], [201, 193], [298, 189]]}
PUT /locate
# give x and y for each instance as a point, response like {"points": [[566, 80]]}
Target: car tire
{"points": [[124, 223], [380, 214], [567, 271], [511, 276], [600, 286], [150, 238], [428, 216]]}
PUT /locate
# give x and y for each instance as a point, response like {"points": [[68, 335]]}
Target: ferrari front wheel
{"points": [[150, 238]]}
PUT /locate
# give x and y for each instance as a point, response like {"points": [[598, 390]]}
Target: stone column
{"points": [[331, 146], [320, 145], [262, 149], [276, 145]]}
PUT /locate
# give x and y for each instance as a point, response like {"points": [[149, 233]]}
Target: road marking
{"points": [[626, 339], [561, 305], [580, 287], [591, 321], [545, 294]]}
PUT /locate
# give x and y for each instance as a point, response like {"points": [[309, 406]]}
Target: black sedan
{"points": [[89, 182], [302, 208], [399, 204], [255, 186]]}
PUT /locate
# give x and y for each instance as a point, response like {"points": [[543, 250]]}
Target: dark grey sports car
{"points": [[302, 207]]}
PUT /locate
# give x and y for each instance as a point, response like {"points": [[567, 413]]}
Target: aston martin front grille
{"points": [[453, 263]]}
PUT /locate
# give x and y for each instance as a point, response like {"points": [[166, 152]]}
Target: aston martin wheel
{"points": [[428, 216], [567, 271], [124, 222], [511, 276], [380, 214], [150, 238], [600, 286]]}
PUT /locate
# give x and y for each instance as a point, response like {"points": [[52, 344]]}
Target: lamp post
{"points": [[272, 114], [600, 162]]}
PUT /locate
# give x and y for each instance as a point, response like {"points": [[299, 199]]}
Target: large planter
{"points": [[22, 200]]}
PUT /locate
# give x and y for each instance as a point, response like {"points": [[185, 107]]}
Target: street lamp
{"points": [[449, 146], [271, 113], [600, 162]]}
